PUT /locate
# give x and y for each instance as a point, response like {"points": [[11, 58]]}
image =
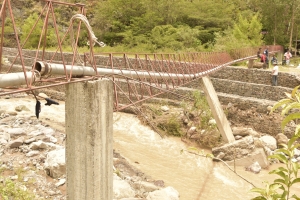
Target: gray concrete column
{"points": [[251, 62], [89, 143], [217, 111]]}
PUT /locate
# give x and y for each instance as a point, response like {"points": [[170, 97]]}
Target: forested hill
{"points": [[165, 25]]}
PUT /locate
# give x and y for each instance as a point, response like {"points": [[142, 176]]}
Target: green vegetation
{"points": [[172, 126], [163, 26], [288, 175], [194, 112], [10, 189]]}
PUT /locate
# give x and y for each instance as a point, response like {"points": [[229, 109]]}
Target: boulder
{"points": [[269, 141], [168, 193], [55, 164], [281, 139], [38, 145], [236, 149], [16, 143], [122, 189], [255, 168]]}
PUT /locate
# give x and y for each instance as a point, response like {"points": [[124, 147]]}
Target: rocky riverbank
{"points": [[32, 153]]}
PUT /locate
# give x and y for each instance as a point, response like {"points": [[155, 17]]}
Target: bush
{"points": [[288, 175]]}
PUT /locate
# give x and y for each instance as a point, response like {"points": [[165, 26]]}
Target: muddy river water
{"points": [[194, 177]]}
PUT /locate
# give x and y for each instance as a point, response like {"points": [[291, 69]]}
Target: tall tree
{"points": [[245, 33]]}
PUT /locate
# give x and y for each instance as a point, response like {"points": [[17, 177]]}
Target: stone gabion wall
{"points": [[258, 76], [244, 89]]}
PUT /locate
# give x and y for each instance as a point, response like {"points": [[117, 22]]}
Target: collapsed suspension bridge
{"points": [[133, 78]]}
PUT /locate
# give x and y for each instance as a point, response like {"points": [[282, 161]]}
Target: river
{"points": [[193, 176]]}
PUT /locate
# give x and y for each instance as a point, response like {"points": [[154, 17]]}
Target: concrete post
{"points": [[251, 62], [217, 111], [89, 144]]}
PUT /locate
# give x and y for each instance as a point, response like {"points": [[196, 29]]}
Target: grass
{"points": [[16, 189]]}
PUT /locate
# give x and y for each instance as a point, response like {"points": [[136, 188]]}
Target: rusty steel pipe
{"points": [[58, 69]]}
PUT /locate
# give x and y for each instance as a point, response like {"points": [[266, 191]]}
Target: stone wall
{"points": [[258, 76], [259, 91]]}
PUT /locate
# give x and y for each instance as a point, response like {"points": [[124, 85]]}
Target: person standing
{"points": [[266, 52], [287, 55], [274, 59], [263, 59], [274, 74], [258, 53]]}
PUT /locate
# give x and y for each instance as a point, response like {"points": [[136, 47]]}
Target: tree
{"points": [[245, 33], [34, 34]]}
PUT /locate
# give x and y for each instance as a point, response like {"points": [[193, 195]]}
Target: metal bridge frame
{"points": [[134, 77]]}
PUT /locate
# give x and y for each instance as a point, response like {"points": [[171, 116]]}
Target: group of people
{"points": [[264, 58]]}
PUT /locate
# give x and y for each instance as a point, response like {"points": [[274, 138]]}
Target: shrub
{"points": [[288, 175]]}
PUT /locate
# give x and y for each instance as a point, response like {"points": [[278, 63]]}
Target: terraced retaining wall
{"points": [[258, 76]]}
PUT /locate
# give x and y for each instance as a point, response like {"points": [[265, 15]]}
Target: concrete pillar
{"points": [[251, 62], [217, 111], [89, 143]]}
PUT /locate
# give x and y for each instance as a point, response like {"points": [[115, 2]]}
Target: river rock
{"points": [[55, 164], [237, 137], [28, 141], [296, 152], [212, 122], [235, 149], [244, 131], [32, 153], [21, 108], [240, 131], [14, 132], [47, 131], [145, 186], [255, 168], [192, 130], [60, 182], [3, 141], [16, 143], [38, 145], [281, 139], [122, 189], [12, 113], [165, 108], [5, 136], [269, 141], [168, 193]]}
